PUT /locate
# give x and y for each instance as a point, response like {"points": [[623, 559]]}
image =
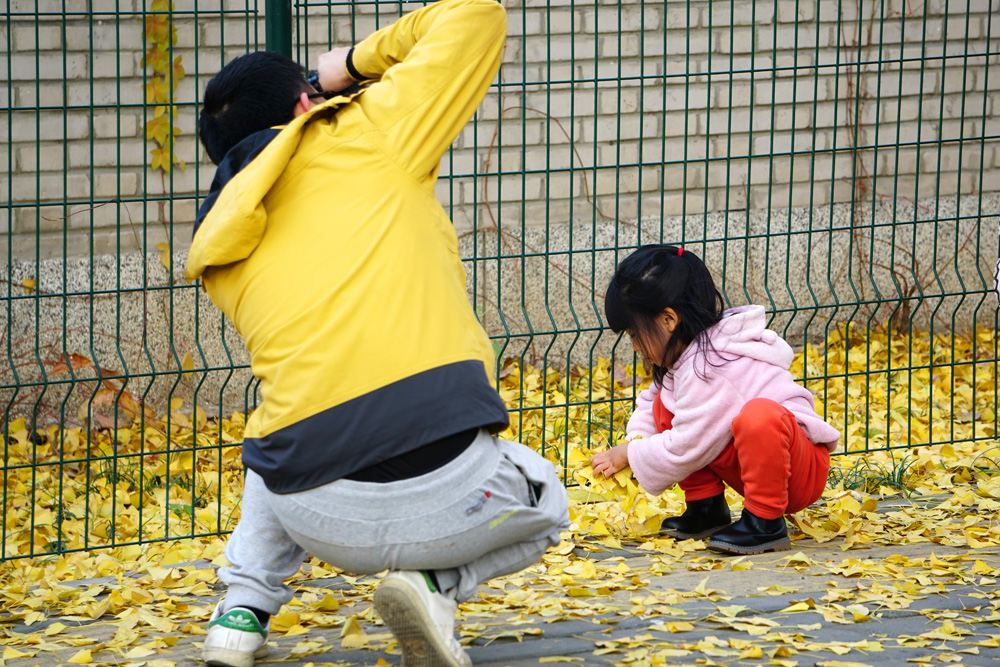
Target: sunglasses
{"points": [[328, 94], [313, 80], [324, 95]]}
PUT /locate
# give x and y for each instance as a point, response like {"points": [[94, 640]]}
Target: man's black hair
{"points": [[656, 277], [252, 93]]}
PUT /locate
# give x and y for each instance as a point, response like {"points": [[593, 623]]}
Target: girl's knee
{"points": [[758, 413]]}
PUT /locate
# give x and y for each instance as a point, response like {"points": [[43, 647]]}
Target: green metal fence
{"points": [[838, 163]]}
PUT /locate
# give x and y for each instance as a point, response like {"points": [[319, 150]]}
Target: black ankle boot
{"points": [[752, 535], [700, 519]]}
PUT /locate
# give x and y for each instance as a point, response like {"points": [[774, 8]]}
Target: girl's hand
{"points": [[610, 461]]}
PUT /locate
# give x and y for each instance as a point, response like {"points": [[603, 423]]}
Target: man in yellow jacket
{"points": [[322, 242]]}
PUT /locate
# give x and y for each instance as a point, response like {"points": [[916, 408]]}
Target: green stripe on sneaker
{"points": [[240, 619]]}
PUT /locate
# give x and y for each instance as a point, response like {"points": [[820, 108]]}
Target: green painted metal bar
{"points": [[278, 26], [610, 125]]}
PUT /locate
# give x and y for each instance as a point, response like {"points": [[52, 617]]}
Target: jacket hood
{"points": [[232, 218], [742, 332]]}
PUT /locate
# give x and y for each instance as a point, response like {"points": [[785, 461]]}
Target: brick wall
{"points": [[638, 109], [828, 165]]}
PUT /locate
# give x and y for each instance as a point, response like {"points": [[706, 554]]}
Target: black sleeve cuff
{"points": [[355, 74]]}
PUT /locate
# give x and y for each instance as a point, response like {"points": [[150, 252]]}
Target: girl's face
{"points": [[654, 352]]}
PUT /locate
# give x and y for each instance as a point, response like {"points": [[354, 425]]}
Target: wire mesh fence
{"points": [[838, 163]]}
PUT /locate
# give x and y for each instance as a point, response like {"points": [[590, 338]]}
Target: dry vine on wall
{"points": [[161, 87]]}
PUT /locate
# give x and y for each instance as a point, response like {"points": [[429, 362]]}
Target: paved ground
{"points": [[719, 639], [787, 609]]}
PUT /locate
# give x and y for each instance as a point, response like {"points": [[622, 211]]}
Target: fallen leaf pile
{"points": [[162, 488], [893, 397]]}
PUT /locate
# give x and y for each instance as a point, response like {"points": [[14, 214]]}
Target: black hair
{"points": [[656, 277], [251, 93]]}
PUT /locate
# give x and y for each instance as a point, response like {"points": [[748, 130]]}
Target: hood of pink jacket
{"points": [[743, 333]]}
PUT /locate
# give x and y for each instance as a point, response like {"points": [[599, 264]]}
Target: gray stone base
{"points": [[539, 292]]}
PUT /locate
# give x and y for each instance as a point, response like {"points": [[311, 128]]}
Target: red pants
{"points": [[769, 461]]}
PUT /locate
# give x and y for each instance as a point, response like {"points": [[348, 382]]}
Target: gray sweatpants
{"points": [[492, 511]]}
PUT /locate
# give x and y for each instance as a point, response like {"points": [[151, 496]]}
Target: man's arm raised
{"points": [[433, 67]]}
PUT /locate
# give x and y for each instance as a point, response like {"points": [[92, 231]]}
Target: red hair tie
{"points": [[680, 251]]}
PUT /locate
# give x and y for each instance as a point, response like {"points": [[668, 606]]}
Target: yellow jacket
{"points": [[324, 244]]}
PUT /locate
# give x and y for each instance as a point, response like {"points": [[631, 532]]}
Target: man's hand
{"points": [[332, 69], [610, 461]]}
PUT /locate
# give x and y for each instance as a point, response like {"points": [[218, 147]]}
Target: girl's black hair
{"points": [[656, 277]]}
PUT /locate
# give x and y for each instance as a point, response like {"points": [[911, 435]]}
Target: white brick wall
{"points": [[719, 80]]}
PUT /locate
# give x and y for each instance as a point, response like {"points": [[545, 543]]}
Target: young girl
{"points": [[722, 408]]}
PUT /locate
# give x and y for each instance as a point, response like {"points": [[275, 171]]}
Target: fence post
{"points": [[278, 26]]}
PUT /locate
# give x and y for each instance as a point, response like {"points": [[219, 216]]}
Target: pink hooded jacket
{"points": [[706, 389]]}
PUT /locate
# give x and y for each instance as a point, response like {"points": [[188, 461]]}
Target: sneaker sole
{"points": [[784, 544], [220, 657], [404, 615], [677, 535]]}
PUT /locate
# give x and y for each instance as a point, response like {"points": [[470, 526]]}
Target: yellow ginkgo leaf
{"points": [[81, 657]]}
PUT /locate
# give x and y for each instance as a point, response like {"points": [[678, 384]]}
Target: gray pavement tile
{"points": [[958, 601]]}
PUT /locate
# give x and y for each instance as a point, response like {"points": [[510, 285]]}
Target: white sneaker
{"points": [[422, 620], [234, 638]]}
